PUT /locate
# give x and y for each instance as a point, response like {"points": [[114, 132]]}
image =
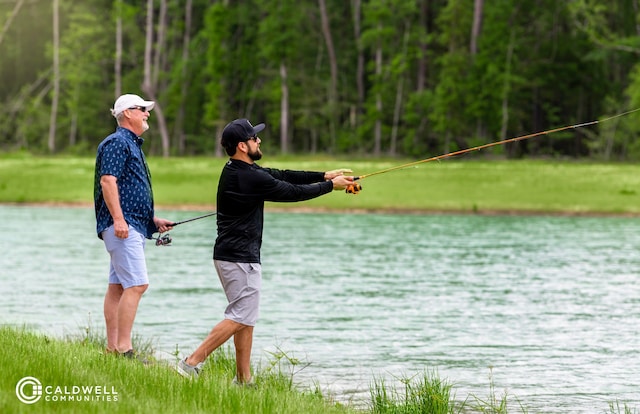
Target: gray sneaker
{"points": [[188, 371]]}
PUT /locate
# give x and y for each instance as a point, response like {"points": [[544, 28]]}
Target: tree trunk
{"points": [[184, 87], [117, 64], [357, 17], [333, 64], [636, 9], [284, 109], [160, 43], [377, 133], [396, 117], [147, 85], [56, 77], [477, 26], [13, 14], [506, 89], [73, 129], [399, 95], [422, 59]]}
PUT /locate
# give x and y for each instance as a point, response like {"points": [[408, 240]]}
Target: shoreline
{"points": [[312, 210]]}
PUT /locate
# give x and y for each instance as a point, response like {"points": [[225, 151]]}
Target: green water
{"points": [[548, 306]]}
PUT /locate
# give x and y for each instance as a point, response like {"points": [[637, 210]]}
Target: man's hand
{"points": [[120, 228], [341, 182], [330, 175], [162, 224]]}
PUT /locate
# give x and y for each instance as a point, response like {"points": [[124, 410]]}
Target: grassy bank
{"points": [[128, 386], [64, 368], [76, 376], [458, 185]]}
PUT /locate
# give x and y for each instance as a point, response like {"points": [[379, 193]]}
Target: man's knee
{"points": [[139, 290]]}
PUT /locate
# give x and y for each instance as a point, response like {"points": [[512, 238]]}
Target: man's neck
{"points": [[131, 128], [242, 156]]}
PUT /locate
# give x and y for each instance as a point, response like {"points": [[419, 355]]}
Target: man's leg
{"points": [[127, 309], [128, 271], [218, 336], [111, 301], [243, 341]]}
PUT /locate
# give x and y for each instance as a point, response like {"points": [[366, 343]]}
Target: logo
{"points": [[30, 390], [22, 393]]}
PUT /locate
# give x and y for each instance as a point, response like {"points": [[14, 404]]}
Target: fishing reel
{"points": [[164, 240], [354, 188]]}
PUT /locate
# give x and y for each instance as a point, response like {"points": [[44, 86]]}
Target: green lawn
{"points": [[454, 185]]}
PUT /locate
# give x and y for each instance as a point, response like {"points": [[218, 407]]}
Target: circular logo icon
{"points": [[24, 395]]}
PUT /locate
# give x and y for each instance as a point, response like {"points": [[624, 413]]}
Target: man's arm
{"points": [[296, 177], [109, 184], [273, 189], [305, 177]]}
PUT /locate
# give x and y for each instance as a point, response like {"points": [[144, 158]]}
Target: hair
{"points": [[231, 151], [119, 117]]}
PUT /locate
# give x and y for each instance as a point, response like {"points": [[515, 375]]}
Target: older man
{"points": [[125, 217]]}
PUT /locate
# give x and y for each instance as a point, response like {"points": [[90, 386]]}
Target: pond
{"points": [[545, 309]]}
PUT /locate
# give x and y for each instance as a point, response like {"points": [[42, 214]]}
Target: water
{"points": [[547, 309]]}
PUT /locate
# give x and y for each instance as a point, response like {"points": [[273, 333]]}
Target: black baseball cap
{"points": [[237, 131]]}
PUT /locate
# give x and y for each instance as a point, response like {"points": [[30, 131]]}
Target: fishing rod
{"points": [[165, 240], [355, 188], [193, 219]]}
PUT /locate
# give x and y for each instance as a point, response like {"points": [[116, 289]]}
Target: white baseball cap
{"points": [[128, 101]]}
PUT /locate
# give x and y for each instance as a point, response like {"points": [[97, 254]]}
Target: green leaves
{"points": [[399, 77]]}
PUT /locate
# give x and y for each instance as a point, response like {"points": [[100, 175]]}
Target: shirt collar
{"points": [[138, 140]]}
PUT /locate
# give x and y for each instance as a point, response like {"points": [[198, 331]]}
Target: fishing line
{"points": [[355, 188]]}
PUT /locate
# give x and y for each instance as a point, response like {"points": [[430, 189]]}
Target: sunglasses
{"points": [[140, 108], [252, 138]]}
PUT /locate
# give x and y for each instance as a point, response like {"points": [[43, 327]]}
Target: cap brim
{"points": [[149, 105], [258, 128]]}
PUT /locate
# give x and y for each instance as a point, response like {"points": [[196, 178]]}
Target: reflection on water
{"points": [[548, 306]]}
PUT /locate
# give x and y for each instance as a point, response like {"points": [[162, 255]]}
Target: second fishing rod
{"points": [[355, 188], [165, 239]]}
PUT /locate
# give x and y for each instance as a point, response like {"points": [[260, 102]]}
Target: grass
{"points": [[456, 185], [428, 394], [67, 367], [135, 387]]}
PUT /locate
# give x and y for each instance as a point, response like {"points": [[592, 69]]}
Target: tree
{"points": [[280, 46], [12, 16], [404, 77], [184, 80], [56, 77], [333, 65], [151, 69]]}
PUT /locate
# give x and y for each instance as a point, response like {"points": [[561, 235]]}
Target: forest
{"points": [[370, 78]]}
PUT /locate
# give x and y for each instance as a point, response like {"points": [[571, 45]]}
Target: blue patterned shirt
{"points": [[120, 155]]}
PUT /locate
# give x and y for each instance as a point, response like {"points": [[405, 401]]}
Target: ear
{"points": [[242, 146]]}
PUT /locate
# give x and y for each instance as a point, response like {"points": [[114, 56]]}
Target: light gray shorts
{"points": [[128, 266], [241, 283]]}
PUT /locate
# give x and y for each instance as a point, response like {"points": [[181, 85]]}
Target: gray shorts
{"points": [[128, 266], [241, 283]]}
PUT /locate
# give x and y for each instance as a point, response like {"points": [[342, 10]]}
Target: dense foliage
{"points": [[368, 77]]}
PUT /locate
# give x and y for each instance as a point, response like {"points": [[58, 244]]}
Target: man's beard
{"points": [[255, 155]]}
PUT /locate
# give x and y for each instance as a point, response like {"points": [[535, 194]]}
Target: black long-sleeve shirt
{"points": [[242, 190]]}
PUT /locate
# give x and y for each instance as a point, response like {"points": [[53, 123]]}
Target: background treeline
{"points": [[365, 77]]}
